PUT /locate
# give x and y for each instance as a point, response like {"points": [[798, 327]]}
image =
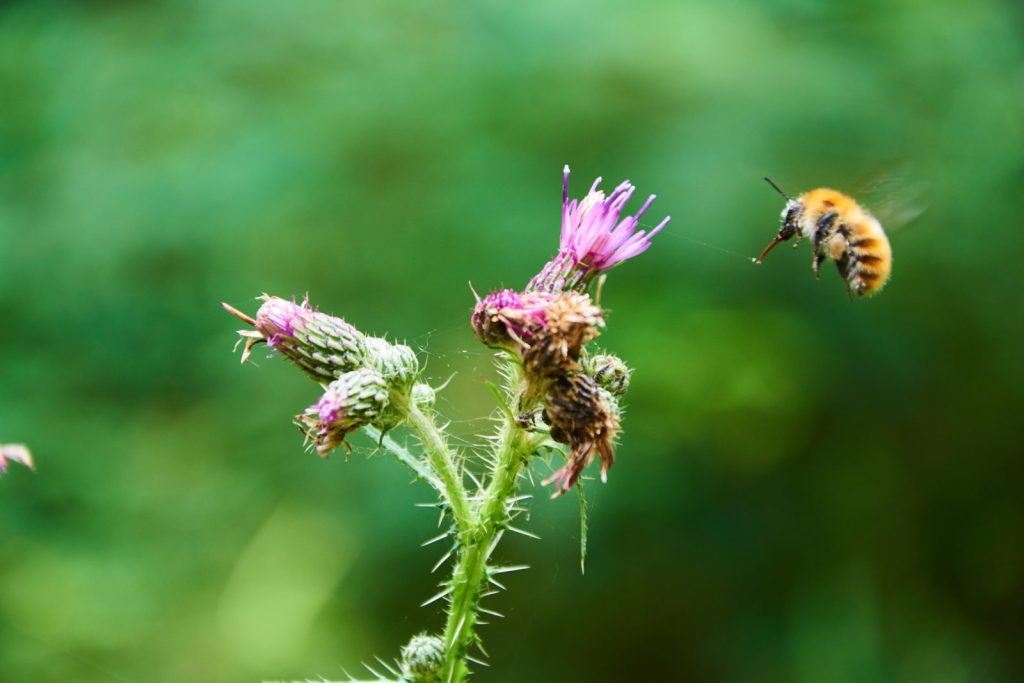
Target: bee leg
{"points": [[824, 228], [845, 269], [819, 258]]}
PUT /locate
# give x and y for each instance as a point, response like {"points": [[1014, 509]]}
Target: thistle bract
{"points": [[397, 363]]}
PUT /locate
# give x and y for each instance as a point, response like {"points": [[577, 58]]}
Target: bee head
{"points": [[791, 214]]}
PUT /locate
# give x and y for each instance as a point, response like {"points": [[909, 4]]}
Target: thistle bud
{"points": [[397, 363], [355, 399], [507, 319], [585, 417], [15, 452], [423, 395], [609, 371], [422, 659], [323, 346]]}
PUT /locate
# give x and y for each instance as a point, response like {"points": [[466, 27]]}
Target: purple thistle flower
{"points": [[594, 238], [277, 319], [506, 318], [14, 452]]}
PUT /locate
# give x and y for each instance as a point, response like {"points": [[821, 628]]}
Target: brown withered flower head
{"points": [[585, 417], [571, 320]]}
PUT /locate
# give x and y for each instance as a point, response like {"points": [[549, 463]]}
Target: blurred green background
{"points": [[806, 490]]}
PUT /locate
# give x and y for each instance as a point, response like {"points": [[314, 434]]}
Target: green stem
{"points": [[471, 569], [443, 462]]}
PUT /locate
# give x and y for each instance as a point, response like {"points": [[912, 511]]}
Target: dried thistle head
{"points": [[571, 321], [585, 417]]}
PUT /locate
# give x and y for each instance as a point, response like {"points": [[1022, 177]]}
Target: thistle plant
{"points": [[559, 397]]}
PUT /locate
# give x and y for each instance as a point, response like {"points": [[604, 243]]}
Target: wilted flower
{"points": [[15, 452], [586, 418], [570, 321], [322, 345], [354, 400], [594, 239]]}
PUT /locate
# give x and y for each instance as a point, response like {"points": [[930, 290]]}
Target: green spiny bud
{"points": [[423, 396], [323, 346], [397, 363], [353, 400], [609, 371], [422, 659]]}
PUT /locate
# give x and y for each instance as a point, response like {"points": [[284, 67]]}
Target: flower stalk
{"points": [[513, 448], [441, 459]]}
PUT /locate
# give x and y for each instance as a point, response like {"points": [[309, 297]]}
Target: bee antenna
{"points": [[769, 181]]}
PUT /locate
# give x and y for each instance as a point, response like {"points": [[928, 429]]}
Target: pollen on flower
{"points": [[595, 237]]}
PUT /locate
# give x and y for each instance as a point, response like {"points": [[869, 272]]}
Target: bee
{"points": [[840, 230]]}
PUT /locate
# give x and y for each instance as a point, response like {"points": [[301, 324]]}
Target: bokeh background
{"points": [[806, 490]]}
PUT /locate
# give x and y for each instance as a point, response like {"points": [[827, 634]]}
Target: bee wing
{"points": [[896, 197]]}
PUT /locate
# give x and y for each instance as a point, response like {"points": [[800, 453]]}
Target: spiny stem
{"points": [[443, 462], [492, 516]]}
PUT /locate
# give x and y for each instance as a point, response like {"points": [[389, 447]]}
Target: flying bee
{"points": [[840, 230]]}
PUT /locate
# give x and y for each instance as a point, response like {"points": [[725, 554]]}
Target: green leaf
{"points": [[502, 403], [583, 526], [418, 465]]}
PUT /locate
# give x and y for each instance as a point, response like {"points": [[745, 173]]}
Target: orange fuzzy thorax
{"points": [[868, 244]]}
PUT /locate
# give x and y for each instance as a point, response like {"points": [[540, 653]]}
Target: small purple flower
{"points": [[278, 318], [15, 452], [594, 239]]}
